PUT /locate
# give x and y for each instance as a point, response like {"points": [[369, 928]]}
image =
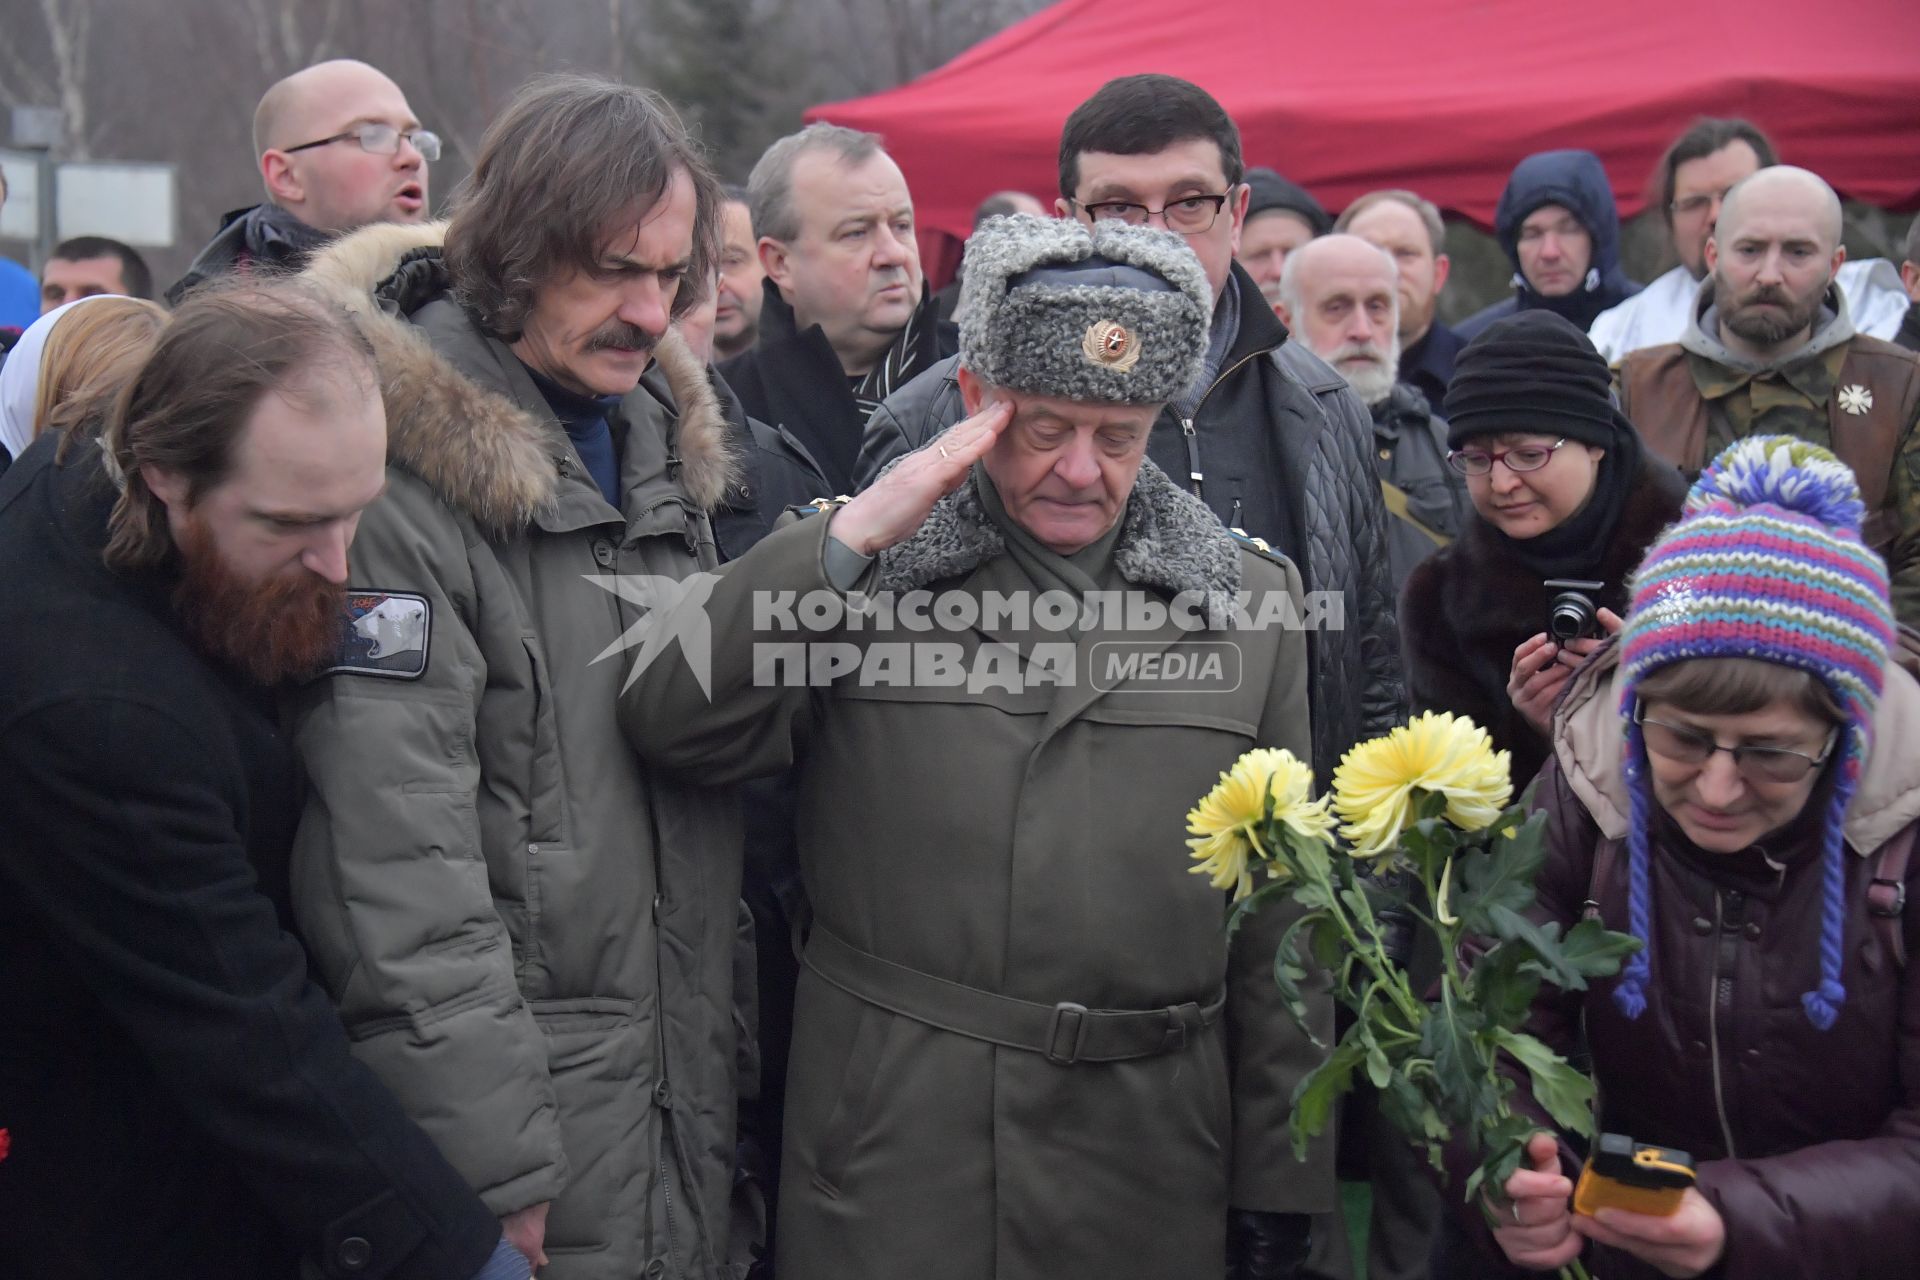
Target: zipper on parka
{"points": [[1721, 997]]}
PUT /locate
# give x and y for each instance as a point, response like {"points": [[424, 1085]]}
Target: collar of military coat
{"points": [[1169, 540], [482, 453]]}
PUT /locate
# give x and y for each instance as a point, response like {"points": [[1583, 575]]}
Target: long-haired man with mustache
{"points": [[530, 935], [1772, 350], [177, 1099]]}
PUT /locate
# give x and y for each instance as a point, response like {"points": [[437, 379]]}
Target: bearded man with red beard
{"points": [[177, 1099]]}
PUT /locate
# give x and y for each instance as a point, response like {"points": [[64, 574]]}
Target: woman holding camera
{"points": [[1561, 490], [1737, 784]]}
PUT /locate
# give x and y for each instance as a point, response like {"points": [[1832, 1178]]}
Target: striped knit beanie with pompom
{"points": [[1765, 562]]}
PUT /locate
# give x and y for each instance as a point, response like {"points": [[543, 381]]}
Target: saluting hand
{"points": [[898, 502]]}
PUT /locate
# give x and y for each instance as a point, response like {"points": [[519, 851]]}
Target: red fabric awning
{"points": [[1443, 96]]}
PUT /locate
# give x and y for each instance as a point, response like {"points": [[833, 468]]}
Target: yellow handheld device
{"points": [[1624, 1174]]}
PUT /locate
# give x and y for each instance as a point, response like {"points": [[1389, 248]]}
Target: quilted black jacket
{"points": [[1284, 451]]}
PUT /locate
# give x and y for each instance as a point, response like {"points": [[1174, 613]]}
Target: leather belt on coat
{"points": [[1063, 1033]]}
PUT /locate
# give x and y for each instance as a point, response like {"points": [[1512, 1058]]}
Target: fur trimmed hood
{"points": [[473, 445], [1168, 540]]}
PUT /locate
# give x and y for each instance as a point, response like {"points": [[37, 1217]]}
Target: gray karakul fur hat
{"points": [[1110, 312]]}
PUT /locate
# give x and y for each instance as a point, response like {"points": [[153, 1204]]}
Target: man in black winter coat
{"points": [[845, 317], [179, 1100]]}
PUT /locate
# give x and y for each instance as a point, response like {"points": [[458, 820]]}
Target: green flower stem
{"points": [[1385, 973]]}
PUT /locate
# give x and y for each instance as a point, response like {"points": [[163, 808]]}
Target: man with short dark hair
{"points": [[531, 935], [1772, 351], [1339, 295], [180, 1100], [1696, 173], [1560, 228], [89, 265], [1281, 216], [1409, 228], [338, 148], [1909, 335], [845, 317], [1273, 440]]}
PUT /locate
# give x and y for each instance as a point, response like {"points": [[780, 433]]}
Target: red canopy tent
{"points": [[1443, 96]]}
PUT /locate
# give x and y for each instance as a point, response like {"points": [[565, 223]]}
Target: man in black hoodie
{"points": [[1560, 228]]}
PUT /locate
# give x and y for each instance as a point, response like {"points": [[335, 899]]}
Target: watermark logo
{"points": [[665, 621], [972, 640]]}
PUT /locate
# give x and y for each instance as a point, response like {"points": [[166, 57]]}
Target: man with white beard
{"points": [[1339, 294]]}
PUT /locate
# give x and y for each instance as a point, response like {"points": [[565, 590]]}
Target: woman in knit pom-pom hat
{"points": [[1728, 783]]}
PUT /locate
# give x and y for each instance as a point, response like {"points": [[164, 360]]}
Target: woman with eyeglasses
{"points": [[1736, 783], [1562, 491]]}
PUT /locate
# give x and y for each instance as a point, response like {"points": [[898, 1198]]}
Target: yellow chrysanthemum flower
{"points": [[1226, 821], [1438, 752]]}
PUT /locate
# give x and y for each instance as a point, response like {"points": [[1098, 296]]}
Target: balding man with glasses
{"points": [[339, 148]]}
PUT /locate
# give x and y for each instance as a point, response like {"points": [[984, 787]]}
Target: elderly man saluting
{"points": [[1023, 1044]]}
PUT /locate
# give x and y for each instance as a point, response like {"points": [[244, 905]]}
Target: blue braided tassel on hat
{"points": [[1767, 562]]}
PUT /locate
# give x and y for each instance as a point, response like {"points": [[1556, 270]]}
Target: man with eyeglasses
{"points": [[1771, 349], [339, 148], [1561, 230], [1270, 437], [1695, 175]]}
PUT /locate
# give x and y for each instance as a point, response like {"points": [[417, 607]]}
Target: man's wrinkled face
{"points": [[736, 320], [65, 280], [594, 331], [1265, 242], [1188, 168], [341, 186], [1396, 228], [1556, 251], [854, 269], [1063, 468], [263, 552], [1699, 187], [1347, 313], [1771, 268]]}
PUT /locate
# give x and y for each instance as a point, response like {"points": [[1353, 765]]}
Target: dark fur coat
{"points": [[1466, 608]]}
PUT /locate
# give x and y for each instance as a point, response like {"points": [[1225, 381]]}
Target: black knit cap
{"points": [[1268, 190], [1534, 373]]}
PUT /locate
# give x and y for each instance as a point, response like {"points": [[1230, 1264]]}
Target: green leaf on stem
{"points": [[1462, 1067], [1502, 1140], [1595, 951], [1313, 1097], [1409, 1111], [1253, 902], [1502, 984], [1497, 875], [1566, 1093], [1544, 940], [1289, 972]]}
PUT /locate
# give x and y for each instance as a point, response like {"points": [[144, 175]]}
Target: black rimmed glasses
{"points": [[1756, 764], [1526, 457], [1189, 215], [381, 140]]}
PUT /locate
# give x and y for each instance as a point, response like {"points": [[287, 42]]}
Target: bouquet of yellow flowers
{"points": [[1431, 802]]}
